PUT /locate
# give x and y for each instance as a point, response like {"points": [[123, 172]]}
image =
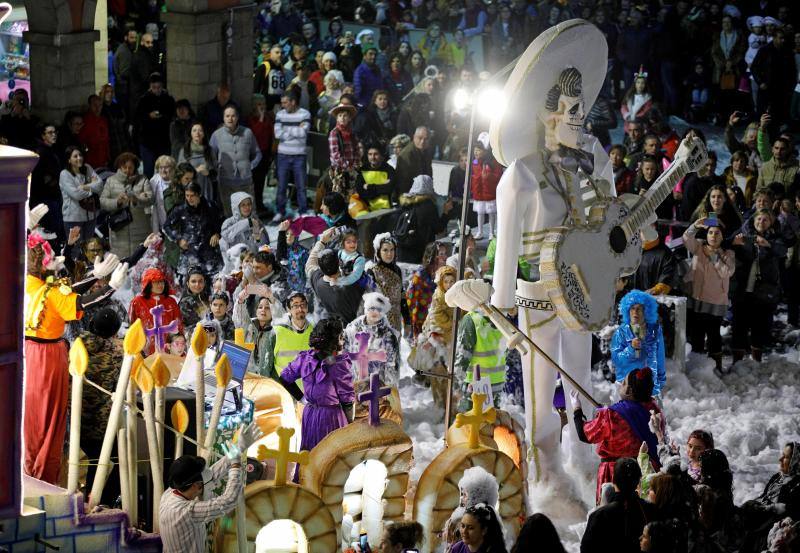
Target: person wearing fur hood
{"points": [[243, 227], [373, 328], [388, 279], [421, 200], [476, 486], [638, 343]]}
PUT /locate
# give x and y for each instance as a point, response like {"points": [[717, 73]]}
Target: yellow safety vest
{"points": [[488, 353], [288, 344], [372, 176]]}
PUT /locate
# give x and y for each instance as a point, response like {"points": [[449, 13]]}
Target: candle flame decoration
{"points": [[199, 340], [161, 373], [180, 417], [144, 379], [135, 339], [78, 357], [223, 371], [138, 361]]}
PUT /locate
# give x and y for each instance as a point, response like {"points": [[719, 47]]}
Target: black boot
{"points": [[756, 353], [717, 357], [738, 355]]}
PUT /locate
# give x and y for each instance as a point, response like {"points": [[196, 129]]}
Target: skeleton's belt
{"points": [[539, 305]]}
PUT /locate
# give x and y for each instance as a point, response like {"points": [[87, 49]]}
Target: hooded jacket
{"points": [[379, 337], [239, 230], [141, 306], [440, 315], [429, 224]]}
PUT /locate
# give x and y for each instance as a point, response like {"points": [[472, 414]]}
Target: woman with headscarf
{"points": [[388, 279], [156, 291], [418, 206], [620, 429]]}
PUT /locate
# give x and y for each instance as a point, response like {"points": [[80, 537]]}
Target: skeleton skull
{"points": [[564, 112]]}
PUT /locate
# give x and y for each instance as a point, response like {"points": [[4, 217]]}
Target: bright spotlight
{"points": [[491, 103], [460, 99]]}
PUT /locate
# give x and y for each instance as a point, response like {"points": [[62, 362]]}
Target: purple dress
{"points": [[461, 547], [325, 386]]}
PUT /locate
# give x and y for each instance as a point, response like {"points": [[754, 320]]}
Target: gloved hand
{"points": [[232, 452], [35, 215], [119, 276], [105, 266], [249, 435], [574, 400], [469, 294]]}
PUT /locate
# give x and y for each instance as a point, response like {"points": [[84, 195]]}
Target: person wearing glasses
{"points": [[292, 333]]}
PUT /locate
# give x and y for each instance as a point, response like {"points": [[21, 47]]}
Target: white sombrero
{"points": [[574, 43]]}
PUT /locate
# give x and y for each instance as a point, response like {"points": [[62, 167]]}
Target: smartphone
{"points": [[364, 544], [410, 550], [711, 220]]}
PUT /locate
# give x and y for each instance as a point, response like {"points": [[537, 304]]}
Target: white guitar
{"points": [[580, 265]]}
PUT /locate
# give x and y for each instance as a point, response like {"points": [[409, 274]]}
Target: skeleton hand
{"points": [[469, 294], [105, 266]]}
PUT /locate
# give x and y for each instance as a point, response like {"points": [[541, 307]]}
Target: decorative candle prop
{"points": [[159, 331], [199, 347], [133, 440], [282, 456], [373, 396], [161, 378], [144, 378], [223, 373], [134, 343], [179, 416], [124, 470], [238, 339], [474, 418], [78, 361]]}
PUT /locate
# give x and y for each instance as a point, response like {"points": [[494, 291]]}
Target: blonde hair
{"points": [[166, 161]]}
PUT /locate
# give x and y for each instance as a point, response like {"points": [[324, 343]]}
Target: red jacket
{"points": [[94, 137], [141, 306], [484, 180], [264, 131]]}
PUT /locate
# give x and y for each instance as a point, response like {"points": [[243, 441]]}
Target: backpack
{"points": [[406, 229]]}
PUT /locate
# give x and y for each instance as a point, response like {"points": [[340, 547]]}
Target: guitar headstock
{"points": [[693, 152]]}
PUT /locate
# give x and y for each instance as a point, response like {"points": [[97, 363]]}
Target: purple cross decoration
{"points": [[373, 396], [159, 331], [362, 357]]}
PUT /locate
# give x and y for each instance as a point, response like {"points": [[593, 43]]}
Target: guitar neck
{"points": [[661, 188]]}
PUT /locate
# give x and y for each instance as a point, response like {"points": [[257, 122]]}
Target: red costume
{"points": [[615, 438], [94, 136], [484, 180], [141, 305]]}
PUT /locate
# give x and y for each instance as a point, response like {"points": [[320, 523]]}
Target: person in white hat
{"points": [[380, 337]]}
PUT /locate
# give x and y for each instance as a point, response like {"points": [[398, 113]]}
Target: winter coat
{"points": [[71, 194], [709, 277], [208, 183], [484, 180], [429, 224], [238, 230], [388, 280], [193, 307], [138, 190], [325, 383], [45, 176], [757, 263], [293, 259], [105, 360], [94, 136], [196, 225], [651, 354], [154, 133], [367, 79], [140, 309], [237, 153], [342, 301], [398, 85], [370, 129], [381, 337], [617, 526], [262, 361], [786, 174]]}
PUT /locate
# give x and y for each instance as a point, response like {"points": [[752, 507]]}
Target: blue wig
{"points": [[637, 297]]}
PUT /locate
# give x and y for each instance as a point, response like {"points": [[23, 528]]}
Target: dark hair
{"points": [[182, 169], [220, 296], [715, 472], [619, 147], [700, 134], [706, 437], [538, 533], [406, 534], [265, 258], [325, 336], [379, 92], [185, 471], [627, 475], [292, 295], [105, 323], [487, 518], [193, 187], [155, 77], [208, 155], [328, 262], [68, 152], [665, 535], [640, 383], [786, 141], [335, 203]]}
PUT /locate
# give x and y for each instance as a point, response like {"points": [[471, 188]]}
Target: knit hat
{"points": [[422, 185], [329, 56], [335, 74], [105, 323], [755, 21], [376, 300], [360, 36]]}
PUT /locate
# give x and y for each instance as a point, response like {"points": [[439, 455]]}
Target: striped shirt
{"points": [[291, 130], [183, 522]]}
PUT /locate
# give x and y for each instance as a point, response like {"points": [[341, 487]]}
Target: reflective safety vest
{"points": [[288, 344], [488, 353]]}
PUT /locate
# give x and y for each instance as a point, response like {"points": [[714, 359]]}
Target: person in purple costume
{"points": [[481, 531], [327, 383]]}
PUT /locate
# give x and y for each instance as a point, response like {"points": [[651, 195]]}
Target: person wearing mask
{"points": [[415, 159], [782, 168], [399, 537], [127, 189], [270, 79], [80, 186], [367, 77], [154, 112], [292, 124], [95, 135], [143, 64], [759, 251], [238, 153], [618, 525], [121, 65], [45, 181], [481, 531], [183, 513], [711, 270]]}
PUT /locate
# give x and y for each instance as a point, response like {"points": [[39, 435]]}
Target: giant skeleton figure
{"points": [[556, 208]]}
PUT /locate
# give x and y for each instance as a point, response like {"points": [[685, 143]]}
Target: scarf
{"points": [[727, 41], [385, 117], [638, 418]]}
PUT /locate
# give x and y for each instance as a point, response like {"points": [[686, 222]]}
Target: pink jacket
{"points": [[710, 280]]}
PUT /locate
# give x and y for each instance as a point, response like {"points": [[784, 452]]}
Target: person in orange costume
{"points": [[155, 291], [49, 304]]}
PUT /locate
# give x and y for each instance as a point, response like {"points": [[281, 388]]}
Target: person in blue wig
{"points": [[638, 343]]}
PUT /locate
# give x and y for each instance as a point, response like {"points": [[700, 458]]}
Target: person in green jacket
{"points": [[479, 343]]}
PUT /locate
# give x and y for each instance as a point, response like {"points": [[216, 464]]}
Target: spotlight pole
{"points": [[462, 248]]}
